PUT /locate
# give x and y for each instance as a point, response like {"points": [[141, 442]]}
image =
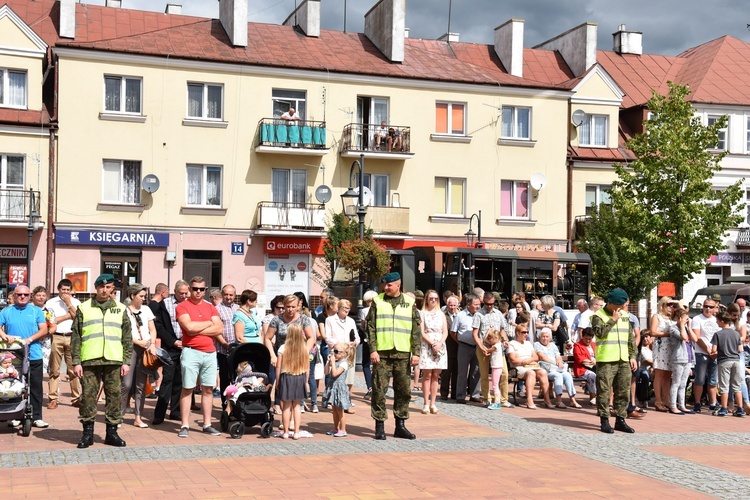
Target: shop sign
{"points": [[17, 274], [12, 252], [112, 238], [730, 258], [287, 246]]}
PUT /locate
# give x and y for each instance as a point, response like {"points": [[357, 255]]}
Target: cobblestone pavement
{"points": [[473, 429]]}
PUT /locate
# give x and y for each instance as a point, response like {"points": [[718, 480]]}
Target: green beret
{"points": [[618, 297], [104, 279], [390, 277]]}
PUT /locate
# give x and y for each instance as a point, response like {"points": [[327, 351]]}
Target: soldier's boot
{"points": [[621, 426], [112, 438], [401, 430], [88, 435], [605, 427], [380, 430]]}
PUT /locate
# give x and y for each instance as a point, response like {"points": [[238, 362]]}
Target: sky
{"points": [[668, 26]]}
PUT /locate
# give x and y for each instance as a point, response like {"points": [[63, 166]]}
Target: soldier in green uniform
{"points": [[101, 340], [615, 359], [394, 335]]}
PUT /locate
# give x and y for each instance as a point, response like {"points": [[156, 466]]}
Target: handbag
{"points": [[151, 361], [319, 368]]}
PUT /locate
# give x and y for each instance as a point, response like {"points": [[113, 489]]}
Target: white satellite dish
{"points": [[368, 199], [538, 181], [579, 116]]}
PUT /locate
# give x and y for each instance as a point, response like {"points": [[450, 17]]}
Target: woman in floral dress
{"points": [[433, 356]]}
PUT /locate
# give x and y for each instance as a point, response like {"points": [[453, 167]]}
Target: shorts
{"points": [[197, 365], [730, 371], [705, 366]]}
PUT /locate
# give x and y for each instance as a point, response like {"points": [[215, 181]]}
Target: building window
{"points": [[11, 186], [283, 100], [204, 185], [747, 135], [289, 186], [722, 142], [747, 203], [121, 182], [205, 101], [450, 118], [514, 199], [593, 131], [12, 88], [449, 196], [122, 94], [516, 123], [595, 196], [378, 186]]}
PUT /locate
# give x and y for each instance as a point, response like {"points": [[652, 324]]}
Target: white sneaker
{"points": [[14, 423], [40, 423]]}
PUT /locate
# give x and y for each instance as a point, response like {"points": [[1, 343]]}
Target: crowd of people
{"points": [[468, 350]]}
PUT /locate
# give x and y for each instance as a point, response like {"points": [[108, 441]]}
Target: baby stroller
{"points": [[15, 404], [250, 408]]}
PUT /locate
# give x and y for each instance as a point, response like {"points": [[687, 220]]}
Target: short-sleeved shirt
{"points": [[707, 327], [59, 308], [203, 311], [727, 341], [462, 326], [550, 351], [226, 313], [251, 324], [484, 320], [523, 351], [585, 320], [23, 323], [281, 327], [142, 332]]}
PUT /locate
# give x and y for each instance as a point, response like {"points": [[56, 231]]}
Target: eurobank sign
{"points": [[287, 246], [112, 238]]}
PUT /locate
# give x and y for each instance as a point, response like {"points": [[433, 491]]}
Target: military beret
{"points": [[390, 277], [618, 297], [104, 279], [716, 297]]}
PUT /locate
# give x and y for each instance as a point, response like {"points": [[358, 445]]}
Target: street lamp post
{"points": [[470, 235], [361, 211], [32, 226]]}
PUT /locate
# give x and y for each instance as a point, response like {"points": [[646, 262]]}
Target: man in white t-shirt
{"points": [[742, 303], [64, 307], [704, 325], [595, 303]]}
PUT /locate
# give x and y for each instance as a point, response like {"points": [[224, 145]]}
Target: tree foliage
{"points": [[343, 248], [668, 218]]}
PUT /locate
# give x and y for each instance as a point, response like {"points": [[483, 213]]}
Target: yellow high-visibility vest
{"points": [[101, 332], [613, 347], [393, 327]]}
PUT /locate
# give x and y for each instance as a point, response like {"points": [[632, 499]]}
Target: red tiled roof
{"points": [[24, 117], [195, 38]]}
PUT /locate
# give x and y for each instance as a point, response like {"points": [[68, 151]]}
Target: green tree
{"points": [[669, 218]]}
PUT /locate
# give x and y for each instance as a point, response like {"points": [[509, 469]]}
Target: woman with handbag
{"points": [[142, 321]]}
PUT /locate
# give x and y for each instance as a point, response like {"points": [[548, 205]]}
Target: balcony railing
{"points": [[15, 204], [300, 134], [384, 220], [580, 226], [364, 137], [300, 216]]}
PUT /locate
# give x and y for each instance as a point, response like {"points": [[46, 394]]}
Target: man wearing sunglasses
{"points": [[704, 325], [26, 322]]}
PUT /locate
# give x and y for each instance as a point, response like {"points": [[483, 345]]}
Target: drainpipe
{"points": [[569, 164], [50, 209]]}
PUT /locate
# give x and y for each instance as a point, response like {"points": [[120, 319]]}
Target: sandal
{"points": [[276, 410], [296, 436], [285, 435], [434, 410], [548, 405], [425, 410], [142, 425], [561, 406], [532, 407], [660, 407], [575, 405]]}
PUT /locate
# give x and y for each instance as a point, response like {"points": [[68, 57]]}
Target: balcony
{"points": [[360, 138], [384, 220], [301, 137], [291, 216], [16, 205]]}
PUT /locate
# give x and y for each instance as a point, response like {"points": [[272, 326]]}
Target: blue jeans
{"points": [[562, 378]]}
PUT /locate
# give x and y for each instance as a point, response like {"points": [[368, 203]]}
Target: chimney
{"points": [[509, 46], [233, 18], [115, 4], [577, 46], [627, 42], [68, 18], [385, 23], [173, 8], [307, 17], [450, 37]]}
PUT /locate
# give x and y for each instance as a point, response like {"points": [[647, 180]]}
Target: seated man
{"points": [[394, 139], [381, 134]]}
